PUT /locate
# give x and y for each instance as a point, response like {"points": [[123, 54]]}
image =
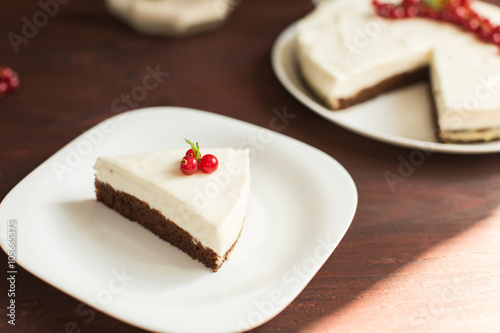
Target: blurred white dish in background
{"points": [[171, 17]]}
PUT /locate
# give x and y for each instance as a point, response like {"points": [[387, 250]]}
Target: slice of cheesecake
{"points": [[202, 214]]}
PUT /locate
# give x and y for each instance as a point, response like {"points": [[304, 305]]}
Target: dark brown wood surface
{"points": [[423, 257]]}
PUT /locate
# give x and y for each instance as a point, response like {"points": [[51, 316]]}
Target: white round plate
{"points": [[403, 117], [296, 217]]}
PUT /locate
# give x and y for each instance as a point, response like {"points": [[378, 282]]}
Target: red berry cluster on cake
{"points": [[458, 12], [351, 51], [193, 161]]}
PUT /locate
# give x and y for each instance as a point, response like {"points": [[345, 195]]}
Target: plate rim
{"points": [[286, 38], [46, 277]]}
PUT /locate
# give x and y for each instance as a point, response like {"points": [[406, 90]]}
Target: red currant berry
{"points": [[209, 163], [433, 14], [13, 82], [472, 24], [384, 10], [460, 13], [484, 30], [190, 152], [397, 12], [495, 36], [189, 165], [411, 11], [483, 34], [487, 25], [446, 15], [5, 72], [3, 88], [465, 3], [423, 10]]}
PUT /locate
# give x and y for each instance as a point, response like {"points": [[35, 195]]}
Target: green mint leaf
{"points": [[436, 4], [191, 144], [197, 152], [196, 149]]}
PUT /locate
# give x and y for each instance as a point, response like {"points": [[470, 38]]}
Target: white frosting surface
{"points": [[211, 207], [343, 47]]}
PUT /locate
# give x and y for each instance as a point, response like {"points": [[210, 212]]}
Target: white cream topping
{"points": [[343, 48], [211, 207]]}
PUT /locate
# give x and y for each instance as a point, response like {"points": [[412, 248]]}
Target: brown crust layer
{"points": [[139, 211], [392, 83], [485, 130]]}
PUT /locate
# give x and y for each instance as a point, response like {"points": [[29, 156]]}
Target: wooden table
{"points": [[424, 256]]}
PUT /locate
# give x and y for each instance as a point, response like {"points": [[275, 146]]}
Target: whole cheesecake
{"points": [[201, 214], [348, 55]]}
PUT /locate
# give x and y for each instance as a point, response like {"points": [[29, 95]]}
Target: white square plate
{"points": [[302, 202]]}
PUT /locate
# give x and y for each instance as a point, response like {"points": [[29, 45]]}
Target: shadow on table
{"points": [[441, 203]]}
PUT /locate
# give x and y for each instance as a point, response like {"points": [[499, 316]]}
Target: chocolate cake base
{"points": [[139, 211]]}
